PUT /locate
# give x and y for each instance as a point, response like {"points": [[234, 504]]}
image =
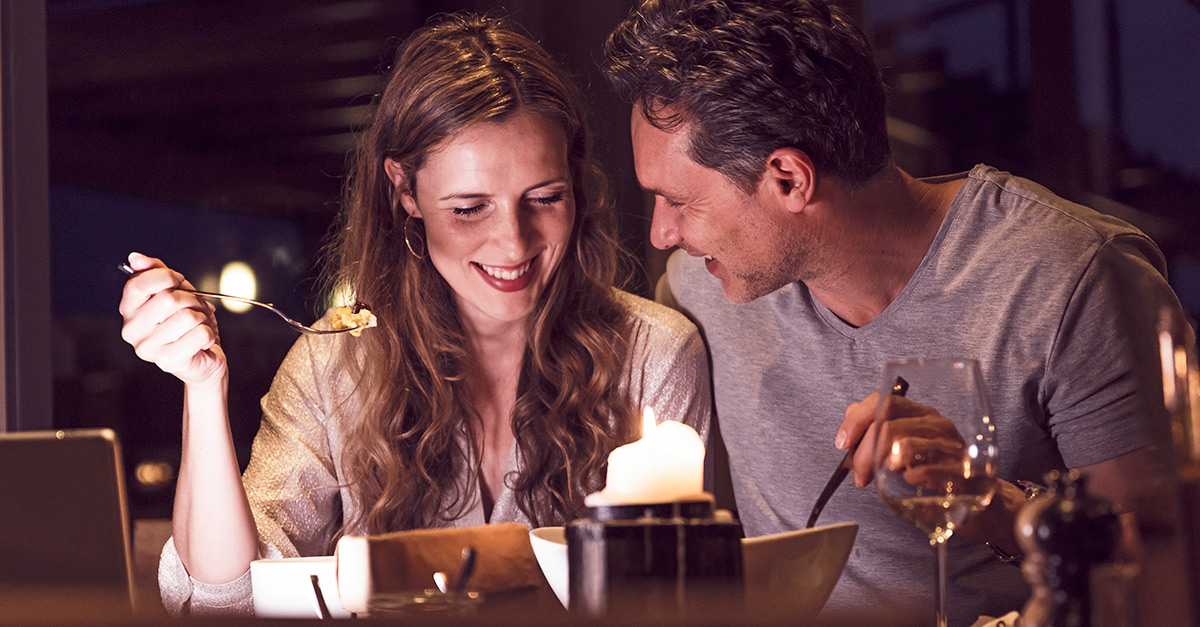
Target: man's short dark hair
{"points": [[752, 76]]}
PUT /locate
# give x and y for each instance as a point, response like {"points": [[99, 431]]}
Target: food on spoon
{"points": [[356, 318]]}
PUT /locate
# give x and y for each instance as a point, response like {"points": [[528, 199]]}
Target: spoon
{"points": [[127, 269]]}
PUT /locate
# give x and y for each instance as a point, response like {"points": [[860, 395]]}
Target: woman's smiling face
{"points": [[498, 208]]}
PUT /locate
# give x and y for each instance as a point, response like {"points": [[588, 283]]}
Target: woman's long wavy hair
{"points": [[405, 455]]}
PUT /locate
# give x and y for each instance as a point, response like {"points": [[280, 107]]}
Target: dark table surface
{"points": [[36, 607]]}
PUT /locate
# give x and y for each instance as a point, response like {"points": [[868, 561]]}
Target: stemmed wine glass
{"points": [[935, 454]]}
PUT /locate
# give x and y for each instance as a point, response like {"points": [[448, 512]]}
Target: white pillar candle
{"points": [[665, 465]]}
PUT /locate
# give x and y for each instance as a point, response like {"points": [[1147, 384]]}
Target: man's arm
{"points": [[1123, 481]]}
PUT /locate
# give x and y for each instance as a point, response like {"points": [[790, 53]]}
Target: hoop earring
{"points": [[407, 242]]}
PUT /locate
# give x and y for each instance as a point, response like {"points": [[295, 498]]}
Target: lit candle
{"points": [[665, 465]]}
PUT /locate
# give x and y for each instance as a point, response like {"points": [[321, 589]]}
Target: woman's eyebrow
{"points": [[560, 179], [476, 195], [464, 196]]}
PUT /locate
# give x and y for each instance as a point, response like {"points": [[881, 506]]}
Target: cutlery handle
{"points": [[127, 269], [464, 573], [899, 388]]}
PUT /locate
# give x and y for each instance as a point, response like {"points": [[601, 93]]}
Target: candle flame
{"points": [[896, 459], [649, 421]]}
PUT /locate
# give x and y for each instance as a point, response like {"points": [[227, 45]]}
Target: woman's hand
{"points": [[174, 330]]}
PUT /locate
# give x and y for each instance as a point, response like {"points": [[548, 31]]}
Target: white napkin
{"points": [[354, 573]]}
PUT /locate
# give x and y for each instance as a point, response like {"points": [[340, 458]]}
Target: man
{"points": [[810, 260]]}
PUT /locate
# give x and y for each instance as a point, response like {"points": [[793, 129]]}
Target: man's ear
{"points": [[399, 179], [791, 176]]}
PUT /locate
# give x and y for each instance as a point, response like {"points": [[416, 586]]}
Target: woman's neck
{"points": [[495, 350]]}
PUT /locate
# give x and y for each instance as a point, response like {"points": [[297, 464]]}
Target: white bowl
{"points": [[283, 587], [793, 572], [550, 549]]}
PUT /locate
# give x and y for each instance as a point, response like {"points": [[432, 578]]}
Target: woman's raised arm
{"points": [[213, 528]]}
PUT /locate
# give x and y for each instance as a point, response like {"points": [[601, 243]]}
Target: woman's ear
{"points": [[790, 175], [410, 204], [395, 173], [399, 179]]}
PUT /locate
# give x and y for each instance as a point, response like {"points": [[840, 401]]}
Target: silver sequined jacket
{"points": [[294, 473]]}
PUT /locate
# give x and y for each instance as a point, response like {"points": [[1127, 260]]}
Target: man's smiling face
{"points": [[742, 237]]}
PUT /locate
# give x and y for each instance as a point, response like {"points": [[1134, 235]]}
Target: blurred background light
{"points": [[237, 279], [153, 475]]}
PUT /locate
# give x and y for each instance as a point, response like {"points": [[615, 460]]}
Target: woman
{"points": [[504, 367]]}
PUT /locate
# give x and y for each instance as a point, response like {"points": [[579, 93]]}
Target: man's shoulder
{"points": [[1006, 220], [1026, 199]]}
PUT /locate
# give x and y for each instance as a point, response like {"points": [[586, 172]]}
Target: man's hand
{"points": [[926, 449], [924, 444]]}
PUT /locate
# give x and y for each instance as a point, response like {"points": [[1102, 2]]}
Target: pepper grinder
{"points": [[1065, 534]]}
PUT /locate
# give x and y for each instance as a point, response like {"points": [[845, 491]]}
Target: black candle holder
{"points": [[653, 558]]}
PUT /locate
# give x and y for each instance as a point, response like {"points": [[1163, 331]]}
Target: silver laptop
{"points": [[64, 521]]}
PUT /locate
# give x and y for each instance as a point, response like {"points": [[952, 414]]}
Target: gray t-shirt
{"points": [[1012, 279]]}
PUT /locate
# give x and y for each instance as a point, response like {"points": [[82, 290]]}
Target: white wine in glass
{"points": [[935, 455]]}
